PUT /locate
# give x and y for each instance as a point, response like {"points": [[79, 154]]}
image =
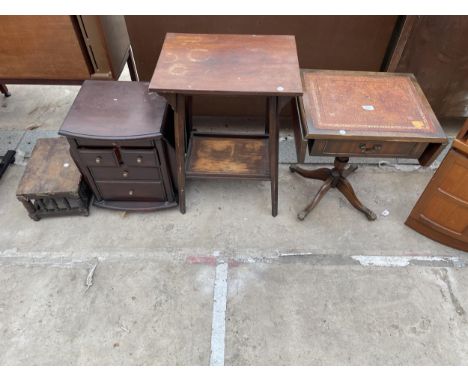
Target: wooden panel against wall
{"points": [[40, 47], [323, 42], [436, 51]]}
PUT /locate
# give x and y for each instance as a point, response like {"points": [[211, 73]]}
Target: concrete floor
{"points": [[332, 290]]}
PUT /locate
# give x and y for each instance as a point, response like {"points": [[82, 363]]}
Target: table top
{"points": [[356, 105], [50, 170], [227, 64], [114, 110]]}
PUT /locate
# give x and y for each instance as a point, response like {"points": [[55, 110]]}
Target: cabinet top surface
{"points": [[340, 104], [227, 64], [50, 170], [114, 110]]}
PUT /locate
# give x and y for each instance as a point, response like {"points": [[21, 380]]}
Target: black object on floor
{"points": [[8, 159]]}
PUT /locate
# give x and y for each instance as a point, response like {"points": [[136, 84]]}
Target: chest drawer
{"points": [[366, 148], [138, 191], [126, 173], [98, 158], [139, 158], [83, 142]]}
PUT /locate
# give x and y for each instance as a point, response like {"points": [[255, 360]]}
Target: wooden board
{"points": [[436, 51], [366, 105], [225, 156], [41, 48], [227, 64], [50, 170], [441, 212], [114, 110]]}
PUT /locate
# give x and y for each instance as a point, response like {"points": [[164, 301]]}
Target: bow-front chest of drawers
{"points": [[116, 136]]}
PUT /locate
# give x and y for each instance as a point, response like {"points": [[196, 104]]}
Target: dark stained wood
{"points": [[436, 52], [115, 134], [368, 148], [363, 114], [401, 40], [226, 65], [113, 110], [326, 42], [233, 64], [332, 178], [441, 212], [227, 156], [51, 184]]}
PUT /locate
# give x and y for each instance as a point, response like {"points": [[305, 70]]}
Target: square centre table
{"points": [[224, 65], [362, 114]]}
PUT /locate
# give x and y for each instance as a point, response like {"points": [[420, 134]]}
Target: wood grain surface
{"points": [[228, 156], [114, 110], [41, 47], [50, 170], [227, 64]]}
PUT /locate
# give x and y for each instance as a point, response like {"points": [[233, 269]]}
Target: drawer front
{"points": [[126, 173], [367, 148], [139, 158], [141, 191], [83, 142], [98, 158]]}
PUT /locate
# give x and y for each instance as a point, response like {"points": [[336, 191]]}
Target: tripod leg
{"points": [[321, 192], [347, 190], [349, 170], [321, 173]]}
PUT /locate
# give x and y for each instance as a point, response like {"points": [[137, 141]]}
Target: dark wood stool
{"points": [[51, 184], [333, 178]]}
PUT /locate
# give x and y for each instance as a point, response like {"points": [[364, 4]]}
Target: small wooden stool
{"points": [[51, 184]]}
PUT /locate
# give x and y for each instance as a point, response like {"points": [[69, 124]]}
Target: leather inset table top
{"points": [[366, 104]]}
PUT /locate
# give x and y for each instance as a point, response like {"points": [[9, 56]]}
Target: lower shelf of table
{"points": [[228, 156]]}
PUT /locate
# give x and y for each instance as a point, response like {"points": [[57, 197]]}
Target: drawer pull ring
{"points": [[372, 149], [139, 159], [125, 174], [98, 159], [130, 192]]}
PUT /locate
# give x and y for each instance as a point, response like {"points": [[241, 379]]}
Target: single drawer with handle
{"points": [[98, 158], [126, 173], [366, 148], [137, 191], [140, 158]]}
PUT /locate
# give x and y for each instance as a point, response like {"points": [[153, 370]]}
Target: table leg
{"points": [[179, 136], [4, 90], [188, 120], [273, 148]]}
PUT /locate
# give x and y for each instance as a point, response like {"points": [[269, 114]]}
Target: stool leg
{"points": [[29, 207]]}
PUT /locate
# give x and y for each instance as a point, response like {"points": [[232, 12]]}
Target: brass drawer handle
{"points": [[139, 159], [373, 149], [125, 174], [130, 192], [98, 160]]}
